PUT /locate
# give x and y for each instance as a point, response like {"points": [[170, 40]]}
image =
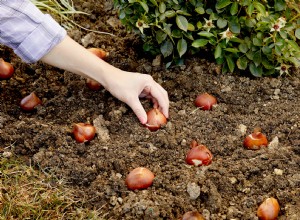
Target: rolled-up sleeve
{"points": [[29, 32]]}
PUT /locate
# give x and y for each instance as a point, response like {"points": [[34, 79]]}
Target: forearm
{"points": [[71, 56]]}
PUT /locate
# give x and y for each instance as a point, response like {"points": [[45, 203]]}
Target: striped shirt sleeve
{"points": [[29, 32]]}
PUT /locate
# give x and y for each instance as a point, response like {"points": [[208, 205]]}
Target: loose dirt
{"points": [[232, 187]]}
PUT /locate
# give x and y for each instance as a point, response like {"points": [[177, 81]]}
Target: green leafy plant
{"points": [[259, 36]]}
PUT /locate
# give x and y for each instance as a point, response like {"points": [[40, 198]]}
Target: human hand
{"points": [[129, 87], [125, 86]]}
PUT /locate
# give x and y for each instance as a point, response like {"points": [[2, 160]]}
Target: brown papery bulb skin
{"points": [[83, 132], [192, 215], [205, 101], [155, 119], [29, 102], [269, 209], [256, 140], [198, 155], [139, 178], [93, 84], [6, 69]]}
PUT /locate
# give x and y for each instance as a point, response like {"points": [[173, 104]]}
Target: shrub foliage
{"points": [[259, 36]]}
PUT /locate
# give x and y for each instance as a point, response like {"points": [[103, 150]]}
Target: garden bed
{"points": [[232, 187]]}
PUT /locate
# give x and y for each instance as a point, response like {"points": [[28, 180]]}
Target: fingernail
{"points": [[143, 120]]}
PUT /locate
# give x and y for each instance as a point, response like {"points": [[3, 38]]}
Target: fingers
{"points": [[138, 109], [162, 100]]}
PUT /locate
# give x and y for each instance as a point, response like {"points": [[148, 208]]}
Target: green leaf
{"points": [[162, 17], [234, 25], [168, 64], [205, 34], [193, 2], [297, 33], [209, 11], [250, 9], [250, 22], [242, 63], [122, 15], [257, 42], [221, 23], [222, 4], [234, 8], [277, 50], [146, 47], [267, 50], [170, 14], [128, 11], [283, 34], [218, 51], [182, 22], [162, 7], [199, 43], [255, 71], [260, 7], [295, 61], [182, 12], [181, 47], [267, 64], [212, 41], [145, 6], [213, 16], [280, 5], [220, 60], [179, 61], [167, 28], [199, 25], [236, 40], [294, 45], [153, 2], [243, 47], [250, 55], [232, 50], [257, 58], [224, 68], [230, 63], [176, 33], [200, 10], [166, 48], [188, 35], [160, 36], [191, 27]]}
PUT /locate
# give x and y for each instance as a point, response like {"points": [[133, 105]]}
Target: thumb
{"points": [[139, 111]]}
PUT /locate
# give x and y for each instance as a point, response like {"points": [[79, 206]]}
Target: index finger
{"points": [[161, 95]]}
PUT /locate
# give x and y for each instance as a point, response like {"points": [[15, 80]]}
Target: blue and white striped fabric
{"points": [[29, 32]]}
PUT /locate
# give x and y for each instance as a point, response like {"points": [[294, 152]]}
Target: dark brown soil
{"points": [[232, 187]]}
